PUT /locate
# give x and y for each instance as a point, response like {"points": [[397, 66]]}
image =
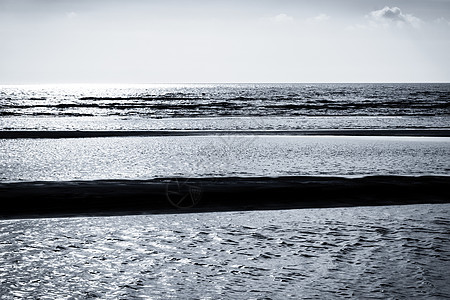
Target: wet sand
{"points": [[121, 197], [13, 134]]}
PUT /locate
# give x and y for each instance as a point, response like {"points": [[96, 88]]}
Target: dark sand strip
{"points": [[112, 197], [15, 134]]}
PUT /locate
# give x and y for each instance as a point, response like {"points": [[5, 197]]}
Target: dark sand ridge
{"points": [[181, 195], [13, 134]]}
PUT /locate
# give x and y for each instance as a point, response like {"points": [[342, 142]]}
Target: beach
{"points": [[236, 191], [136, 175], [194, 195], [81, 149], [384, 251], [54, 134], [224, 149]]}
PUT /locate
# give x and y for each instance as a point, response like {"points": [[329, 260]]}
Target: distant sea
{"points": [[222, 131], [224, 106]]}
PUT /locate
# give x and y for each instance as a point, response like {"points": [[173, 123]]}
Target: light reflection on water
{"points": [[223, 123], [378, 252], [204, 156]]}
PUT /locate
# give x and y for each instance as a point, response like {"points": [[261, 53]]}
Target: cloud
{"points": [[442, 21], [318, 19], [388, 16], [282, 18]]}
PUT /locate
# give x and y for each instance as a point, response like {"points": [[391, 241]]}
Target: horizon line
{"points": [[205, 83]]}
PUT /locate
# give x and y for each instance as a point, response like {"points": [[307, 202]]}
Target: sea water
{"points": [[142, 158], [391, 252], [224, 106], [377, 252]]}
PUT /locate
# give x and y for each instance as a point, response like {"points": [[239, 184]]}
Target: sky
{"points": [[210, 41]]}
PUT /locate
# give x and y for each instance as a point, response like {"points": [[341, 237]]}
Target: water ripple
{"points": [[378, 252]]}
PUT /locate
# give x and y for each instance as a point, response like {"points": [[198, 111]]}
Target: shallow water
{"points": [[206, 156], [224, 123], [395, 252]]}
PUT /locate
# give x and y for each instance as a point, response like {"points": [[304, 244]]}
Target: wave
{"points": [[224, 108], [141, 98], [233, 100]]}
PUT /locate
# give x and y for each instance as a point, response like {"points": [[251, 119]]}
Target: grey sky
{"points": [[224, 41]]}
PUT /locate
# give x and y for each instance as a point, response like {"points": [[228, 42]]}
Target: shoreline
{"points": [[196, 195], [39, 134]]}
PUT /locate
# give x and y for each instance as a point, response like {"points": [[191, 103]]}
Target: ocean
{"points": [[224, 106], [210, 130], [84, 135]]}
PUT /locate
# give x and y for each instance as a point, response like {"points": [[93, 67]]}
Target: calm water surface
{"points": [[224, 123], [151, 157], [396, 252]]}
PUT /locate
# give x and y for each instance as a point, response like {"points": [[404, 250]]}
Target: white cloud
{"points": [[282, 18], [388, 16], [318, 19], [442, 21]]}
